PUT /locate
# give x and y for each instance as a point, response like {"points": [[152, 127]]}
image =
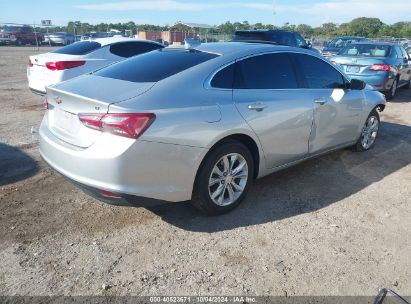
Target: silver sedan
{"points": [[202, 123]]}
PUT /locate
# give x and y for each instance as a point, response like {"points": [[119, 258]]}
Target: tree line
{"points": [[367, 27]]}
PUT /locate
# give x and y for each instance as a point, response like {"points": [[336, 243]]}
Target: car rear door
{"points": [[267, 95], [336, 109]]}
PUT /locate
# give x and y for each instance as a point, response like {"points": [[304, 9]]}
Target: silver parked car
{"points": [[202, 123], [62, 38]]}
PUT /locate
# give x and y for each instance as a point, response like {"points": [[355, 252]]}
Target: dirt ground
{"points": [[336, 225]]}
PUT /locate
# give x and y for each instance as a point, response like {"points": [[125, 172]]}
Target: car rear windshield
{"points": [[11, 28], [369, 50], [156, 65], [78, 48]]}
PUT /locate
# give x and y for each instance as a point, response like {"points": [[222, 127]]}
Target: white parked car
{"points": [[80, 58]]}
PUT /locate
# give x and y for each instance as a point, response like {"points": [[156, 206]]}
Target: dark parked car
{"points": [[279, 37], [20, 35], [337, 44]]}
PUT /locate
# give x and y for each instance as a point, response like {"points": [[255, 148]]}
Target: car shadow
{"points": [[15, 165], [304, 188], [402, 96]]}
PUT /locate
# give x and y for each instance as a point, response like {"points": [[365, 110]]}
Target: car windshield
{"points": [[341, 42], [8, 28], [369, 50], [78, 48], [156, 65]]}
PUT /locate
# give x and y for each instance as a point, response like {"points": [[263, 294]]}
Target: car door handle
{"points": [[258, 106], [320, 101]]}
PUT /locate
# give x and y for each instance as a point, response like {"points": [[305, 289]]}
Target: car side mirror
{"points": [[356, 84]]}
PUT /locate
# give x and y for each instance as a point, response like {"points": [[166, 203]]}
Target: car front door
{"points": [[405, 75], [266, 93], [336, 109]]}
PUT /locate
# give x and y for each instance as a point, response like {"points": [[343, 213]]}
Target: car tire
{"points": [[393, 90], [408, 85], [223, 179], [19, 42], [369, 132]]}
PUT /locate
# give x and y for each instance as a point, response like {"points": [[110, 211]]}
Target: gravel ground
{"points": [[336, 225]]}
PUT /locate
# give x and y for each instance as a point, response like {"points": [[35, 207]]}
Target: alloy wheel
{"points": [[228, 179], [369, 132]]}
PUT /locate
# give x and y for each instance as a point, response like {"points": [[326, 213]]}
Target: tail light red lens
{"points": [[130, 125], [64, 65], [45, 103], [30, 64], [380, 67]]}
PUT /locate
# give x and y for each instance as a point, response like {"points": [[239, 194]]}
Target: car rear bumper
{"points": [[125, 166], [37, 92], [380, 81]]}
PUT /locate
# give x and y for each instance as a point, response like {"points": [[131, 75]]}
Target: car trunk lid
{"points": [[85, 94], [359, 65]]}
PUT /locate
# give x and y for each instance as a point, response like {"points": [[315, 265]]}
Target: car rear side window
{"points": [[224, 78], [269, 71], [155, 66], [78, 48], [129, 49], [318, 74]]}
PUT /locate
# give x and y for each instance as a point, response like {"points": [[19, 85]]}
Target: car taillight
{"points": [[130, 125], [64, 65], [30, 63], [45, 103], [380, 67]]}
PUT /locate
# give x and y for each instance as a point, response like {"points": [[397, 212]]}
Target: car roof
{"points": [[350, 37], [116, 39], [264, 31], [376, 43], [229, 48]]}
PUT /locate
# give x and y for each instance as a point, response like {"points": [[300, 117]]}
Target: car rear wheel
{"points": [[223, 179], [408, 85], [369, 132], [393, 90]]}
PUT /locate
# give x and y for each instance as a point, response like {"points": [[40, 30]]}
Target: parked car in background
{"points": [[279, 37], [20, 35], [62, 38], [337, 44], [409, 50], [95, 35], [202, 123], [82, 57], [385, 66]]}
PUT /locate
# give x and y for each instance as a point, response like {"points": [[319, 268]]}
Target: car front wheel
{"points": [[223, 179], [369, 132]]}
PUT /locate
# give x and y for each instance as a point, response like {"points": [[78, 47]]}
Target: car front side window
{"points": [[318, 74], [268, 71]]}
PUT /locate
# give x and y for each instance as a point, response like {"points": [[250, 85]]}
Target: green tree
{"points": [[363, 26]]}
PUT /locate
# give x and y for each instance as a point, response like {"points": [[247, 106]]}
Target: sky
{"points": [[213, 12]]}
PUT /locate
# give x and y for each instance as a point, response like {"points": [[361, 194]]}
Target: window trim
{"points": [[207, 83]]}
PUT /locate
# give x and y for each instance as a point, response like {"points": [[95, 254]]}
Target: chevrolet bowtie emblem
{"points": [[58, 100]]}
